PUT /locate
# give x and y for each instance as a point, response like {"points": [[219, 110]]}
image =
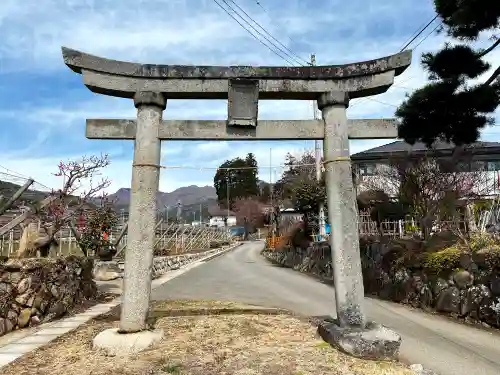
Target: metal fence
{"points": [[170, 239]]}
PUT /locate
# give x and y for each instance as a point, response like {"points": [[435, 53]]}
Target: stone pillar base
{"points": [[374, 342], [114, 343]]}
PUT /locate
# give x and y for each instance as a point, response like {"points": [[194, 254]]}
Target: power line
{"points": [[257, 31], [293, 54], [255, 37], [291, 40], [414, 48], [234, 168], [419, 33], [408, 41], [428, 35]]}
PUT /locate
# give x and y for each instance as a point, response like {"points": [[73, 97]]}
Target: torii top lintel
{"points": [[123, 79]]}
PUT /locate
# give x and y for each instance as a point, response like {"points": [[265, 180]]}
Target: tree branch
{"points": [[491, 48], [493, 77]]}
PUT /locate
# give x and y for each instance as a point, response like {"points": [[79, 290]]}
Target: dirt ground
{"points": [[205, 338]]}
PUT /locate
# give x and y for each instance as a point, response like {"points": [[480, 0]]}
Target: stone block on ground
{"points": [[374, 341], [418, 369], [114, 343], [107, 271]]}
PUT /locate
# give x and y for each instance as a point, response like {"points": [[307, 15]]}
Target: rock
{"points": [[374, 342], [425, 296], [37, 302], [24, 285], [3, 329], [114, 343], [9, 326], [14, 277], [23, 298], [465, 261], [418, 369], [5, 288], [54, 291], [55, 311], [449, 300], [24, 318], [439, 286], [489, 311], [35, 320], [106, 271], [12, 315], [495, 286], [463, 279]]}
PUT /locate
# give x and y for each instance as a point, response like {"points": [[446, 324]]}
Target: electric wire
{"points": [[253, 35]]}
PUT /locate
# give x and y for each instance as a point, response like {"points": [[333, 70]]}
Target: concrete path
{"points": [[243, 275]]}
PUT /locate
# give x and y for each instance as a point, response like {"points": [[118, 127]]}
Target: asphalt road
{"points": [[243, 275]]}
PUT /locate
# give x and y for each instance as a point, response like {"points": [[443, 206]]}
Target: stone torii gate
{"points": [[150, 86]]}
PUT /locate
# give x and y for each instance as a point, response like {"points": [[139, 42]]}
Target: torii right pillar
{"points": [[350, 331], [342, 211]]}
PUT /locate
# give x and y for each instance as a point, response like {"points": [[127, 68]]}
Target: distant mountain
{"points": [[188, 196], [8, 189]]}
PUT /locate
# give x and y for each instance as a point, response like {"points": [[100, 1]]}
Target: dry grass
{"points": [[208, 338]]}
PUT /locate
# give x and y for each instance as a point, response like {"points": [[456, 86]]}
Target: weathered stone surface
{"points": [[33, 290], [418, 369], [78, 61], [106, 271], [463, 279], [449, 300], [371, 342], [115, 343]]}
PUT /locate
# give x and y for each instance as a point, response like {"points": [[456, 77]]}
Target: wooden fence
{"points": [[170, 238]]}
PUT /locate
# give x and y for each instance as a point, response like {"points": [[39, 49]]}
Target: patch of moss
{"points": [[175, 368], [323, 345], [481, 241], [443, 261]]}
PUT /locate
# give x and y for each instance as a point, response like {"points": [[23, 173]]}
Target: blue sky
{"points": [[43, 105]]}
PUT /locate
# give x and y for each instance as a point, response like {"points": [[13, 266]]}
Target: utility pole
{"points": [[273, 213], [227, 193], [201, 216], [317, 149]]}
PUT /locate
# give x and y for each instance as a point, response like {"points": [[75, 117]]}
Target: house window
{"points": [[367, 169], [493, 165]]}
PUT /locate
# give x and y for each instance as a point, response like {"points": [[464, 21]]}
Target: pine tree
{"points": [[451, 107]]}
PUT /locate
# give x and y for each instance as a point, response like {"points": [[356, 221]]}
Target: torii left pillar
{"points": [[145, 185], [141, 237]]}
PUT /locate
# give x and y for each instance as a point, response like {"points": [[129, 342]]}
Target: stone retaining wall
{"points": [[105, 271], [467, 287], [34, 291]]}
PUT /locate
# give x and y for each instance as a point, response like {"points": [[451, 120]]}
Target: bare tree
{"points": [[434, 189], [249, 211], [69, 202]]}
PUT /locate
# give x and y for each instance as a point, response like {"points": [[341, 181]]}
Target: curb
{"points": [[50, 331]]}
